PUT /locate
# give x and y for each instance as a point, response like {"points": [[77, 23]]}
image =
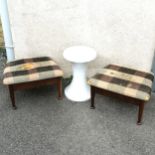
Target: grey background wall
{"points": [[121, 31]]}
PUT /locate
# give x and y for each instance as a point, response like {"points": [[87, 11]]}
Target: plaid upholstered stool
{"points": [[32, 72], [132, 85]]}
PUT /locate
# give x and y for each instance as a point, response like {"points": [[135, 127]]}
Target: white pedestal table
{"points": [[79, 56]]}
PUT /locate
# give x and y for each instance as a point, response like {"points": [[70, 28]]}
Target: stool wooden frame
{"points": [[139, 103], [34, 84]]}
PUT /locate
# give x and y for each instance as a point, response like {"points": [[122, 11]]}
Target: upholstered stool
{"points": [[130, 84], [32, 72]]}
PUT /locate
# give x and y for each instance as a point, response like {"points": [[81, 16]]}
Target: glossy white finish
{"points": [[79, 54], [79, 90], [7, 30]]}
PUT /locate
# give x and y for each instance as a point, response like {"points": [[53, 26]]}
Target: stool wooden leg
{"points": [[92, 106], [12, 96], [59, 87], [140, 113]]}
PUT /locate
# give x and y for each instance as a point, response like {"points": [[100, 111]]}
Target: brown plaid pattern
{"points": [[31, 69], [125, 81]]}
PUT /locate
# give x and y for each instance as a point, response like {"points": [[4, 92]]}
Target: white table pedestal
{"points": [[79, 56], [78, 90]]}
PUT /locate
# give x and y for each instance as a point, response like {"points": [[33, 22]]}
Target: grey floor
{"points": [[42, 125]]}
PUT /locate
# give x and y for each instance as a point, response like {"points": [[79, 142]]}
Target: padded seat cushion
{"points": [[125, 81], [31, 69]]}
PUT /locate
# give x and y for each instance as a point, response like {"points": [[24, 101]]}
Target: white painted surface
{"points": [[79, 90], [79, 54], [6, 30], [121, 31]]}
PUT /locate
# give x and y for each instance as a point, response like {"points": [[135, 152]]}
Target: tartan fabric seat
{"points": [[124, 81], [31, 69]]}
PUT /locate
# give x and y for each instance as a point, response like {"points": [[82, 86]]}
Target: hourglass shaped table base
{"points": [[79, 56], [78, 90]]}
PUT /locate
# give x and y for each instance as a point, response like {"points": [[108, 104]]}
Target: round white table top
{"points": [[79, 54]]}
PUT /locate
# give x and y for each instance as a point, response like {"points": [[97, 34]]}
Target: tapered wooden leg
{"points": [[59, 87], [12, 96], [92, 106], [140, 113]]}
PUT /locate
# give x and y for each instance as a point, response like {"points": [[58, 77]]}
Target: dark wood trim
{"points": [[59, 88], [137, 102], [35, 84], [92, 106], [12, 96], [140, 113]]}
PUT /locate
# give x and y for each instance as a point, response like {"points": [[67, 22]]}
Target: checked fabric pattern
{"points": [[31, 69], [125, 81]]}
